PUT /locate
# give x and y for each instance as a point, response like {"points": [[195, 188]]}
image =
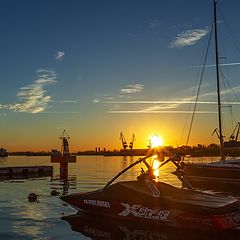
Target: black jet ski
{"points": [[148, 200]]}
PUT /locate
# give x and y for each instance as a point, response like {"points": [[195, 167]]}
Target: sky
{"points": [[98, 68]]}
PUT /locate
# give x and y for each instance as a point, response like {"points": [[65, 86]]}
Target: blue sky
{"points": [[98, 68]]}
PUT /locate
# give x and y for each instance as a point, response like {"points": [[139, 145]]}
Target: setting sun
{"points": [[156, 141]]}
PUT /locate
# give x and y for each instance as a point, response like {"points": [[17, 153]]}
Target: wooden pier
{"points": [[25, 172]]}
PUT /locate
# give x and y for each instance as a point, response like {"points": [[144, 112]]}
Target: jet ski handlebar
{"points": [[175, 159], [126, 169]]}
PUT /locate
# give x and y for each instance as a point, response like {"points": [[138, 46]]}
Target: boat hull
{"points": [[124, 210], [219, 178]]}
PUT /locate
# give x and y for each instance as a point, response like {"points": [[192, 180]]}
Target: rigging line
{"points": [[200, 82], [230, 88], [194, 88], [227, 90], [237, 45], [234, 39], [235, 95], [188, 110]]}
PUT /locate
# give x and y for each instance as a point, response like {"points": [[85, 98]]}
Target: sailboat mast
{"points": [[218, 83]]}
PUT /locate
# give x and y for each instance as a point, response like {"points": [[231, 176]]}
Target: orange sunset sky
{"points": [[98, 68]]}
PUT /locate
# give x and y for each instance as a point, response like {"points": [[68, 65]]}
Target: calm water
{"points": [[50, 218]]}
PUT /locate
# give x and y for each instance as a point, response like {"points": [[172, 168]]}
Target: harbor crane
{"points": [[124, 143], [132, 141], [233, 139], [233, 143], [235, 133], [65, 145], [217, 132]]}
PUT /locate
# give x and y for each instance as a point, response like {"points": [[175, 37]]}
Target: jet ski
{"points": [[148, 200]]}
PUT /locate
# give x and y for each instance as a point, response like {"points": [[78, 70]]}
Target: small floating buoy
{"points": [[32, 197], [54, 193]]}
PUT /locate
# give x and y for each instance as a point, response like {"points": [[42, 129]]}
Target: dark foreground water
{"points": [[50, 218]]}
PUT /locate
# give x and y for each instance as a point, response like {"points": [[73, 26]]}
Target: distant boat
{"points": [[223, 174], [3, 152]]}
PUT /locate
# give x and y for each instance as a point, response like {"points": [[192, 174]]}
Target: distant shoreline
{"points": [[194, 151]]}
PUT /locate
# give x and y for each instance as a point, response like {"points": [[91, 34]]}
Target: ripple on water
{"points": [[20, 219]]}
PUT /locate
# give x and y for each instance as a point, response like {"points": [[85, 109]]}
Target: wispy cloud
{"points": [[159, 111], [214, 65], [65, 101], [154, 23], [33, 97], [106, 97], [124, 93], [131, 89], [121, 104], [170, 102], [52, 112], [189, 37], [96, 100], [181, 105], [165, 107], [60, 55]]}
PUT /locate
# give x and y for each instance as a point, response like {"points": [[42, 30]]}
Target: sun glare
{"points": [[156, 141], [155, 166]]}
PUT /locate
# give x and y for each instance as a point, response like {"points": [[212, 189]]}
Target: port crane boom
{"points": [[235, 133], [124, 143], [233, 142], [132, 141], [65, 145]]}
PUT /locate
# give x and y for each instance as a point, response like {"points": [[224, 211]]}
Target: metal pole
{"points": [[218, 84]]}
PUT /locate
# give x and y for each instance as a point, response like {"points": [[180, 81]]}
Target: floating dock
{"points": [[25, 172]]}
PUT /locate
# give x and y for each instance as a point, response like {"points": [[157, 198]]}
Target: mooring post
{"points": [[63, 157], [63, 170]]}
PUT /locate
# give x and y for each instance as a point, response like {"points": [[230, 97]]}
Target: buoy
{"points": [[54, 193], [32, 197]]}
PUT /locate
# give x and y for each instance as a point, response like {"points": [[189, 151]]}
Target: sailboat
{"points": [[224, 174]]}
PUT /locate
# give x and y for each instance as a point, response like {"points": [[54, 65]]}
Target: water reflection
{"points": [[126, 160], [2, 161], [62, 186], [107, 229], [20, 219]]}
